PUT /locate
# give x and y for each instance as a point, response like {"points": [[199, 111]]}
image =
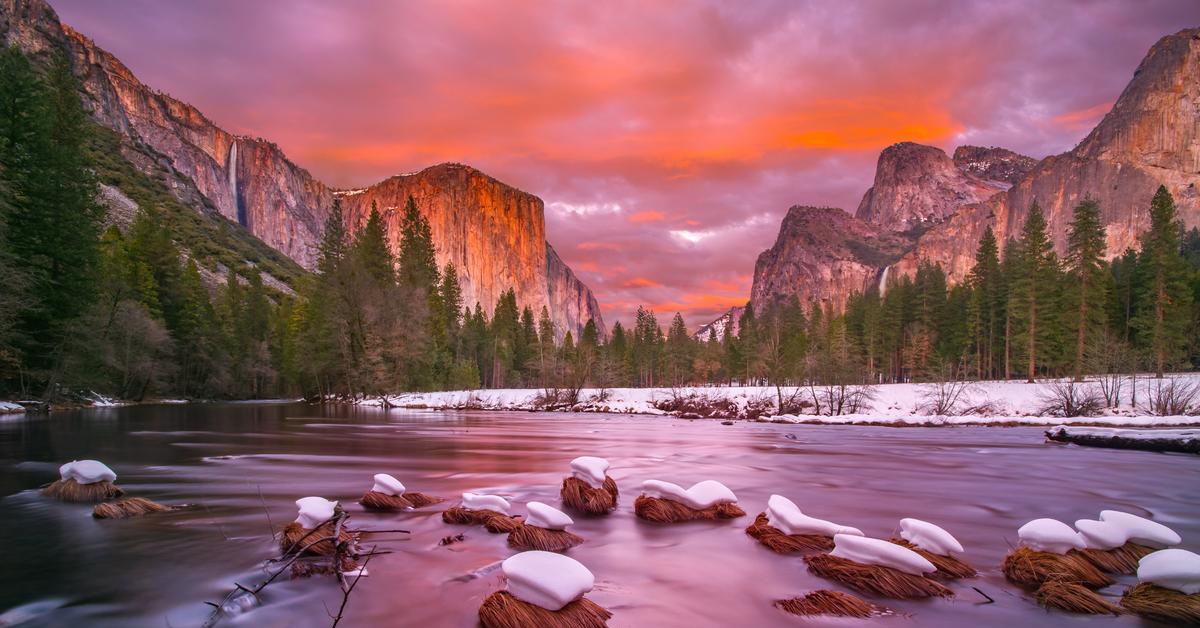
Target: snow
{"points": [[545, 516], [782, 513], [1141, 530], [868, 551], [1050, 535], [8, 407], [700, 496], [476, 501], [985, 403], [1172, 569], [546, 579], [1180, 436], [349, 192], [590, 469], [1100, 535], [314, 511], [387, 485], [929, 537], [87, 472]]}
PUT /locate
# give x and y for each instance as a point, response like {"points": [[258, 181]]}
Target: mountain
{"points": [[925, 205], [493, 233], [726, 323]]}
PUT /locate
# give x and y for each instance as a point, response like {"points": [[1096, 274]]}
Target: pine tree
{"points": [[1033, 284], [986, 306], [1166, 298], [679, 351], [1085, 265]]}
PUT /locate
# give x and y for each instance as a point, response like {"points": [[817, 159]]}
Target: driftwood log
{"points": [[1141, 440]]}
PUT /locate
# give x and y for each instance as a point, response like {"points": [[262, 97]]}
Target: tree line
{"points": [[126, 311]]}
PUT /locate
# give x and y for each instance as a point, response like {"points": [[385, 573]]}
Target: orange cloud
{"points": [[647, 217], [1083, 119]]}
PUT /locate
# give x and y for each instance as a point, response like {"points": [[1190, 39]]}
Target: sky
{"points": [[667, 139]]}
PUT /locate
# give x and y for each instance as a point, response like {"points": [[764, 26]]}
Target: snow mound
{"points": [[1101, 535], [387, 485], [782, 513], [87, 472], [476, 501], [8, 407], [314, 511], [546, 579], [546, 516], [1141, 530], [1050, 535], [929, 537], [700, 496], [590, 469], [1172, 569], [868, 551]]}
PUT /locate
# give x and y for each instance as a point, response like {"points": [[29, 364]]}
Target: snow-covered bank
{"points": [[8, 407], [980, 403]]}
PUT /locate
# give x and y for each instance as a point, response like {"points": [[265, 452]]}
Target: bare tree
{"points": [[1172, 396], [1068, 398]]}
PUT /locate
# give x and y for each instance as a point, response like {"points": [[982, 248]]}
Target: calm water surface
{"points": [[240, 464]]}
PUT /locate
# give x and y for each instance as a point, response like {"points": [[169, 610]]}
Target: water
{"points": [[242, 465]]}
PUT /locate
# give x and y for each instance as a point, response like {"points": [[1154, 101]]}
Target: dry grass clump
{"points": [[1030, 568], [494, 522], [502, 610], [1163, 604], [578, 495], [1074, 598], [669, 511], [128, 507], [875, 579], [374, 500], [948, 567], [72, 491], [777, 541], [527, 537], [317, 541], [826, 602], [1121, 560]]}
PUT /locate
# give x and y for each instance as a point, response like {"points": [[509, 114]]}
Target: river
{"points": [[241, 466]]}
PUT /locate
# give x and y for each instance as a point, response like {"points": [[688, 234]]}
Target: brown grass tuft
{"points": [[494, 522], [375, 500], [128, 507], [1163, 604], [527, 537], [1074, 598], [1120, 560], [948, 567], [1032, 569], [72, 491], [502, 610], [826, 602], [874, 579], [777, 541], [578, 495], [669, 511], [294, 538]]}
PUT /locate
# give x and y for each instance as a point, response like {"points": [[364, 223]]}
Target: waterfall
{"points": [[883, 280], [233, 187]]}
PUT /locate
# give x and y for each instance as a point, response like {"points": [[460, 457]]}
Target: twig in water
{"points": [[346, 592], [267, 511], [989, 598]]}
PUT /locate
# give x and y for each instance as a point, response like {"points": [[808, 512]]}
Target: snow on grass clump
{"points": [[87, 472], [782, 513], [590, 469], [313, 511], [1172, 569], [477, 501], [1141, 530], [700, 496], [387, 485], [546, 516], [868, 551], [547, 579], [1050, 535], [929, 537]]}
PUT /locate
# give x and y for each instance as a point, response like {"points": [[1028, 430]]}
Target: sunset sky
{"points": [[667, 139]]}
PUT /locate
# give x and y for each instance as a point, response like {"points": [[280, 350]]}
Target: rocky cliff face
{"points": [[726, 323], [493, 233], [917, 186], [1150, 138]]}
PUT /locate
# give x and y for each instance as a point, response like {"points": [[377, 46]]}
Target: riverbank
{"points": [[997, 403]]}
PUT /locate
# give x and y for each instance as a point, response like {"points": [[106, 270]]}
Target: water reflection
{"points": [[243, 465]]}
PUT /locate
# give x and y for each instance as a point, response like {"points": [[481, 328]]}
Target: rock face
{"points": [[493, 233], [822, 256], [917, 186], [1150, 138], [726, 323]]}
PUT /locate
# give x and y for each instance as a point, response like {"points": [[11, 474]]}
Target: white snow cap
{"points": [[590, 469], [314, 511], [546, 579], [1101, 535], [1171, 569], [702, 494], [929, 537], [1050, 535], [477, 501], [868, 551], [86, 472], [783, 513], [1141, 530], [545, 516], [387, 485]]}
